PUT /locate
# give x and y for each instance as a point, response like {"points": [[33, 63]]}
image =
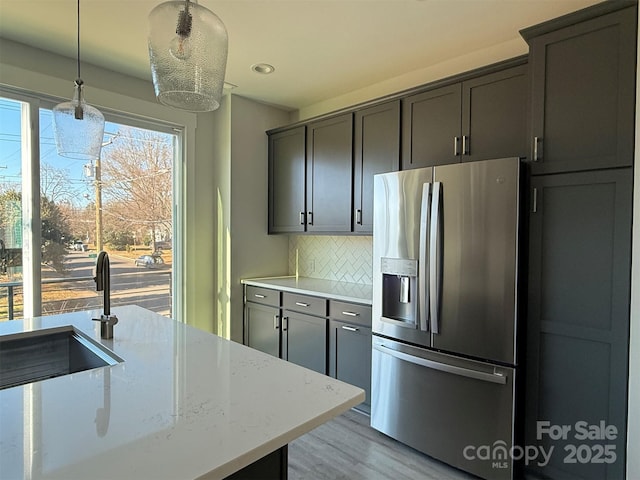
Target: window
{"points": [[122, 203]]}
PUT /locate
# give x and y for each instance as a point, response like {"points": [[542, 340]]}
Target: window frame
{"points": [[30, 153]]}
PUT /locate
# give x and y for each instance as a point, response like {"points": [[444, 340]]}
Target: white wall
{"points": [[253, 252], [633, 439], [453, 66]]}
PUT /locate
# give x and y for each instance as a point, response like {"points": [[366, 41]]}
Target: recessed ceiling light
{"points": [[263, 68]]}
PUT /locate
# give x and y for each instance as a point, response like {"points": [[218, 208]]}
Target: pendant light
{"points": [[188, 55], [78, 127]]}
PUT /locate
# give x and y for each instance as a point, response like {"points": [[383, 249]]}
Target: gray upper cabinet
{"points": [[287, 181], [329, 174], [480, 118], [582, 91], [431, 127], [494, 115], [376, 150]]}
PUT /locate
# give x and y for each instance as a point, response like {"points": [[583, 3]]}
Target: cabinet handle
{"points": [[302, 304], [465, 145], [536, 143], [258, 295], [535, 200], [275, 322], [351, 314], [309, 218], [351, 329], [301, 218], [456, 141], [285, 324], [359, 216]]}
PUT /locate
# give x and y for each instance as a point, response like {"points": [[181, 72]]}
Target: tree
{"points": [[55, 232], [55, 227], [136, 184], [55, 184]]}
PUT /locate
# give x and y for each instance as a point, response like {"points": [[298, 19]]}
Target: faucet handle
{"points": [[106, 325]]}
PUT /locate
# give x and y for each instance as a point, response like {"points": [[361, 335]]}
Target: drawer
{"points": [[304, 304], [265, 296], [350, 312]]}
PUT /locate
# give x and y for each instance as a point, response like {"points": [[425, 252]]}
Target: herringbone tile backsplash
{"points": [[344, 259]]}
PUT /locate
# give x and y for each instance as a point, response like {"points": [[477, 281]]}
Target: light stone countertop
{"points": [[343, 291], [184, 404]]}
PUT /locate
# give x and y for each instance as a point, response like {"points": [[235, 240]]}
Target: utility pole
{"points": [[97, 180], [98, 189]]}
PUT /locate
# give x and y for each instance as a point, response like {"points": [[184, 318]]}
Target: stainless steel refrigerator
{"points": [[445, 312]]}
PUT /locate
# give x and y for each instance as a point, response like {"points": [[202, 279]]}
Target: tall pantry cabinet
{"points": [[582, 71]]}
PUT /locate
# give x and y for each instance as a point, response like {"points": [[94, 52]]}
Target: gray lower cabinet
{"points": [[328, 336], [304, 331], [262, 328], [262, 320], [578, 321], [350, 347], [304, 340]]}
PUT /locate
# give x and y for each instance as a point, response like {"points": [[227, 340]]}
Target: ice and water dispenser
{"points": [[400, 290]]}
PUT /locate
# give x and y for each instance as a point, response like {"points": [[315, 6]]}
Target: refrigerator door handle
{"points": [[435, 258], [423, 280], [496, 377]]}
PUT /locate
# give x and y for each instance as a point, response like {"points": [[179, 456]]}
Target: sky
{"points": [[10, 152]]}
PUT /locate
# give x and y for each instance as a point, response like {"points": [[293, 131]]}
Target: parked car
{"points": [[78, 246], [149, 261]]}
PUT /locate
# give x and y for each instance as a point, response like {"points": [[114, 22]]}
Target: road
{"points": [[149, 288]]}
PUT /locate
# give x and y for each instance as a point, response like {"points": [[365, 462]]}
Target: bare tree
{"points": [[136, 183], [55, 184]]}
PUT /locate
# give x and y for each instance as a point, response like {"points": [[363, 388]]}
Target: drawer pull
{"points": [[351, 329], [351, 314], [302, 304], [258, 295]]}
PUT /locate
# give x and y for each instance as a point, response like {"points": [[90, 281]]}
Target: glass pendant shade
{"points": [[78, 127], [188, 55]]}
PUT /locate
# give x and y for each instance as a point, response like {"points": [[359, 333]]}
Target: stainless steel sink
{"points": [[32, 356]]}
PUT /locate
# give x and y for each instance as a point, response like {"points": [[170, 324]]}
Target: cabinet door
{"points": [[330, 174], [350, 356], [305, 340], [376, 150], [578, 314], [494, 115], [431, 128], [262, 328], [583, 84], [287, 181]]}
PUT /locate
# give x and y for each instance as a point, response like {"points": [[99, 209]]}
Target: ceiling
{"points": [[320, 48]]}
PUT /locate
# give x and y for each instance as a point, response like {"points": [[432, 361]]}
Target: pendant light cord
{"points": [[78, 30]]}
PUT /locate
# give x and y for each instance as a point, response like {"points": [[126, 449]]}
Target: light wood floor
{"points": [[347, 448]]}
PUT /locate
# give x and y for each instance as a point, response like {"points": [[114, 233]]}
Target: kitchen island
{"points": [[183, 404]]}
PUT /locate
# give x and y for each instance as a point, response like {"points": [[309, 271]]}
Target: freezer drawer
{"points": [[444, 406]]}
